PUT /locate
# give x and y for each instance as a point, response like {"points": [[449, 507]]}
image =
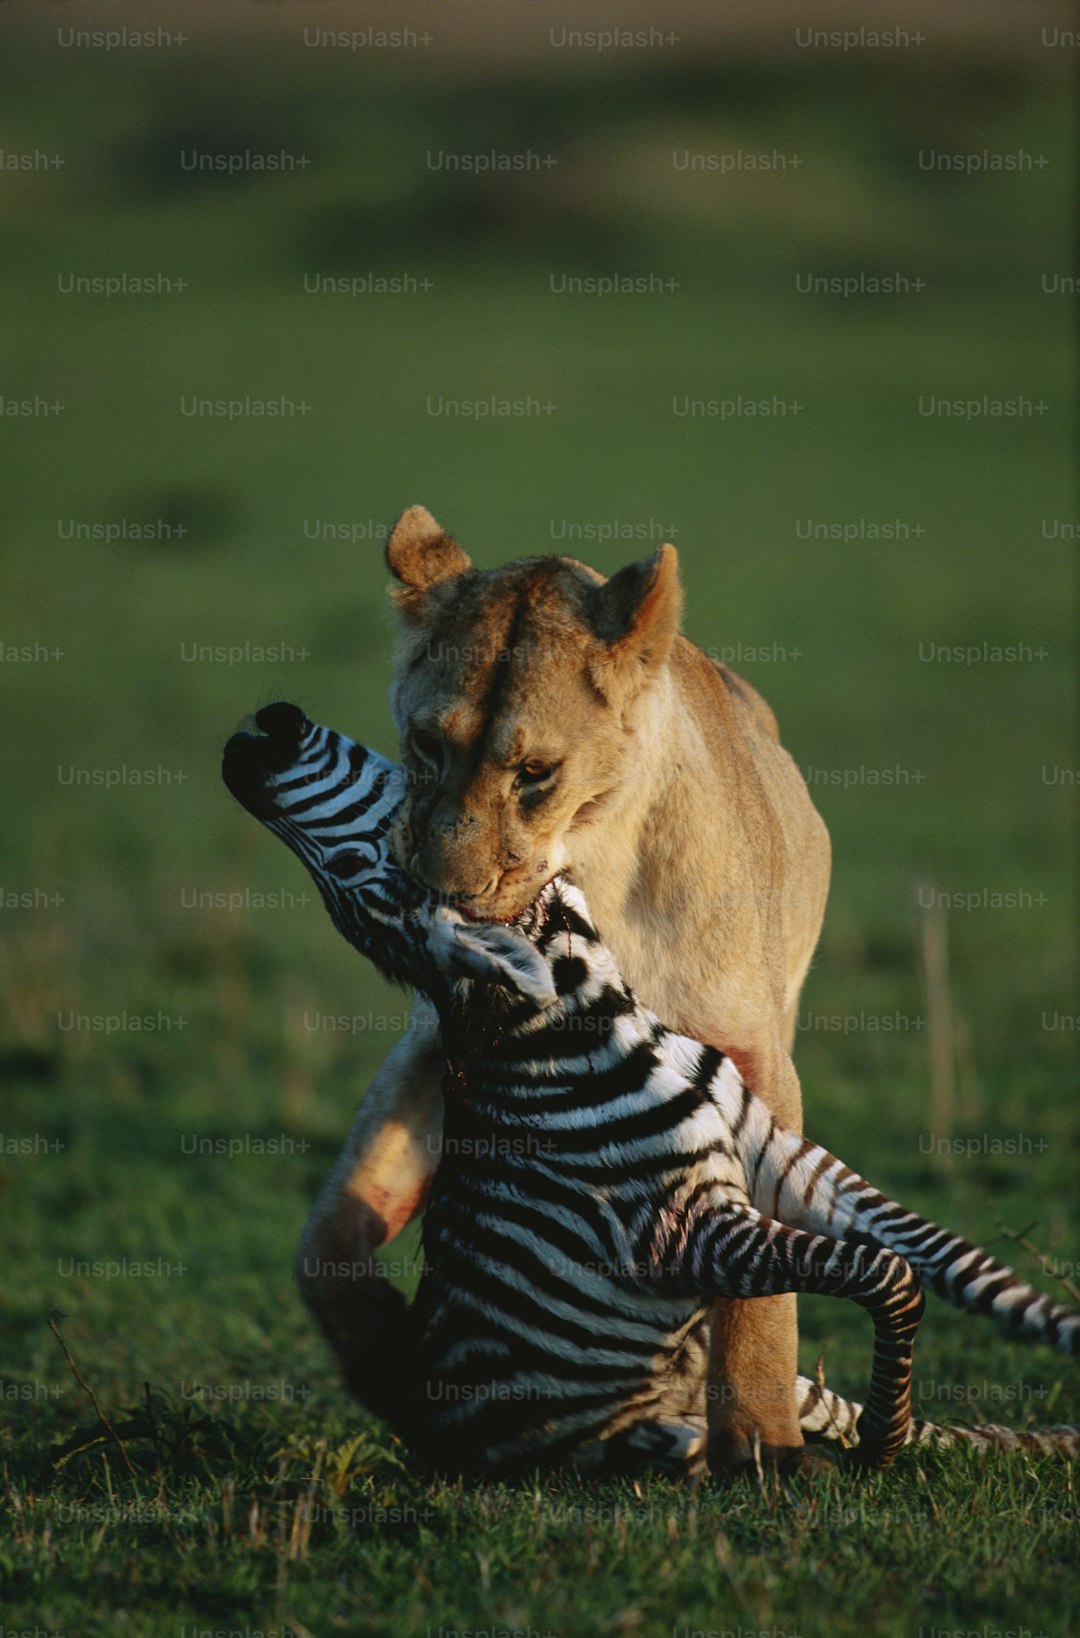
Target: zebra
{"points": [[602, 1180]]}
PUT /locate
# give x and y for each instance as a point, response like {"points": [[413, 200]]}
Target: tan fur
{"points": [[676, 809], [379, 1183]]}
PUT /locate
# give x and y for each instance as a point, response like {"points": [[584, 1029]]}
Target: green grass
{"points": [[211, 1531]]}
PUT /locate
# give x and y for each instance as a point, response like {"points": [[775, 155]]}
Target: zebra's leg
{"points": [[731, 1250], [379, 1183], [824, 1414], [973, 1281], [805, 1184]]}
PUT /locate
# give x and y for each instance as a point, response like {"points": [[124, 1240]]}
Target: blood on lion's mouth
{"points": [[477, 915], [472, 913]]}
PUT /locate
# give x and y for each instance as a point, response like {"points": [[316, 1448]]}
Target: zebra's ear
{"points": [[490, 954]]}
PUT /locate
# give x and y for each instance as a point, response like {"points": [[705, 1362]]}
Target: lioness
{"points": [[552, 720]]}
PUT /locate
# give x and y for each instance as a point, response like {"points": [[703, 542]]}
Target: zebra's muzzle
{"points": [[249, 759]]}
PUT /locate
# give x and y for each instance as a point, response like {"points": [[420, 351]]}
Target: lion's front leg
{"points": [[754, 1346], [379, 1183], [753, 1364]]}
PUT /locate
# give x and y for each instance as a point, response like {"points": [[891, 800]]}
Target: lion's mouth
{"points": [[471, 914], [502, 905], [506, 918]]}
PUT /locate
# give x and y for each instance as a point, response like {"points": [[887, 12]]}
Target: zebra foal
{"points": [[602, 1180]]}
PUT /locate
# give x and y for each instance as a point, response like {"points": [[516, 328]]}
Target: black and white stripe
{"points": [[602, 1180]]}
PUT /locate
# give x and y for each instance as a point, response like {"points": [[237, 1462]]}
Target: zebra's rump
{"points": [[501, 1415], [526, 1353]]}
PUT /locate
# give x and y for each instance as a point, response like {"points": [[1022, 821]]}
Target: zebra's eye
{"points": [[344, 865], [534, 772], [427, 746]]}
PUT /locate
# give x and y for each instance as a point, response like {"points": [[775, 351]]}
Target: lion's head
{"points": [[518, 693]]}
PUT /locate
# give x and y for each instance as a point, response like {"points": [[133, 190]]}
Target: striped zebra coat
{"points": [[602, 1178]]}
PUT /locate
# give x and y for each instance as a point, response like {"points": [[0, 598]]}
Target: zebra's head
{"points": [[334, 803]]}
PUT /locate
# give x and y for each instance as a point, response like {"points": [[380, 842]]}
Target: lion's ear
{"points": [[636, 616], [420, 553]]}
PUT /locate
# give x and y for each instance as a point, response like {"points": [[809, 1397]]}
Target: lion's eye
{"points": [[534, 772]]}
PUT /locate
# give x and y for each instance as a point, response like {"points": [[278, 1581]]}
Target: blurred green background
{"points": [[960, 777]]}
